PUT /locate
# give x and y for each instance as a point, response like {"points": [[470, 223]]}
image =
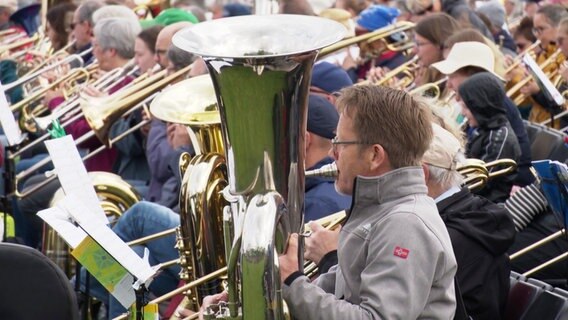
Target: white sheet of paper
{"points": [[538, 73], [11, 128], [61, 222], [106, 238], [72, 174], [123, 291]]}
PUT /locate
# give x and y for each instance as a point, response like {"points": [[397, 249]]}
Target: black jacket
{"points": [[494, 138], [481, 232]]}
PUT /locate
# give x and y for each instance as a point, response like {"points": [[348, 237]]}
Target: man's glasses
{"points": [[539, 30], [336, 142]]}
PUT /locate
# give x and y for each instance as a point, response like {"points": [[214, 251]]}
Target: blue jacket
{"points": [[321, 199]]}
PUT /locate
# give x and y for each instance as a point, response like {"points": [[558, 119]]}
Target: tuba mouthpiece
{"points": [[326, 171]]}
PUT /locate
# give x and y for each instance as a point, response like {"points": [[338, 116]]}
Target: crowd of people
{"points": [[417, 242]]}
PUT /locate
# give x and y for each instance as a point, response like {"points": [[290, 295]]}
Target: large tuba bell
{"points": [[261, 67]]}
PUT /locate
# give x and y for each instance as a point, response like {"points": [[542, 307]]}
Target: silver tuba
{"points": [[261, 68]]}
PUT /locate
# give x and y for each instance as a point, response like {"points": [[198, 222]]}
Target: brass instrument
{"points": [[116, 196], [200, 236], [73, 75], [515, 90], [476, 172], [262, 84], [432, 87], [330, 222], [519, 59], [35, 73], [18, 44], [407, 69], [101, 119], [400, 26]]}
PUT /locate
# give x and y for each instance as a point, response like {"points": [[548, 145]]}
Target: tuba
{"points": [[261, 68], [200, 236]]}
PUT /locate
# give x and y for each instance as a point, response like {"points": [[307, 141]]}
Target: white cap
{"points": [[468, 54], [443, 150]]}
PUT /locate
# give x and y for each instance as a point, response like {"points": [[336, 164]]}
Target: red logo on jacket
{"points": [[401, 252]]}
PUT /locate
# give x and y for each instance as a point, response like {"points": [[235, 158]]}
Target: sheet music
{"points": [[11, 128], [106, 238], [542, 80], [72, 174], [61, 222]]}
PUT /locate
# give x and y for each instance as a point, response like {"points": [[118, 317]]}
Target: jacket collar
{"points": [[448, 202], [389, 186]]}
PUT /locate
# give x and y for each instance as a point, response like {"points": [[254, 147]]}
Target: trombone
{"points": [[101, 120], [400, 26]]}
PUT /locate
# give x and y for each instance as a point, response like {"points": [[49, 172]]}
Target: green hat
{"points": [[169, 16]]}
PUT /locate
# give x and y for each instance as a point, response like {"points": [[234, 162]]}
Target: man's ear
{"points": [[378, 157], [308, 139], [112, 52]]}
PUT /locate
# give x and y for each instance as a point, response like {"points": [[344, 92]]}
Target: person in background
{"points": [[59, 24], [492, 137], [145, 48]]}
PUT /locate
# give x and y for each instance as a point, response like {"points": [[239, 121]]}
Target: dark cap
{"points": [[330, 77], [236, 9], [322, 117]]}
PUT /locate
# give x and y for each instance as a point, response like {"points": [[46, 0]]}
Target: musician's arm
{"points": [[391, 287]]}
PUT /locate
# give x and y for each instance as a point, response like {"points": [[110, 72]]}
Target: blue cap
{"points": [[322, 117], [377, 16], [330, 78], [236, 9]]}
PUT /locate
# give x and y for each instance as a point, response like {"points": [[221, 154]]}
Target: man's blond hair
{"points": [[392, 118]]}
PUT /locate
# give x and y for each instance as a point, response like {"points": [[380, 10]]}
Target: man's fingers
{"points": [[314, 226], [293, 242]]}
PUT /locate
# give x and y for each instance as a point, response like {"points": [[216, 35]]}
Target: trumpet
{"points": [[519, 59]]}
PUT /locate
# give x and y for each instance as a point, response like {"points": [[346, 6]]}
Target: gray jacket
{"points": [[395, 258]]}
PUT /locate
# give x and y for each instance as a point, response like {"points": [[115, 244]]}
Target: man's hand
{"points": [[530, 88], [320, 242], [289, 260], [210, 300], [177, 135]]}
